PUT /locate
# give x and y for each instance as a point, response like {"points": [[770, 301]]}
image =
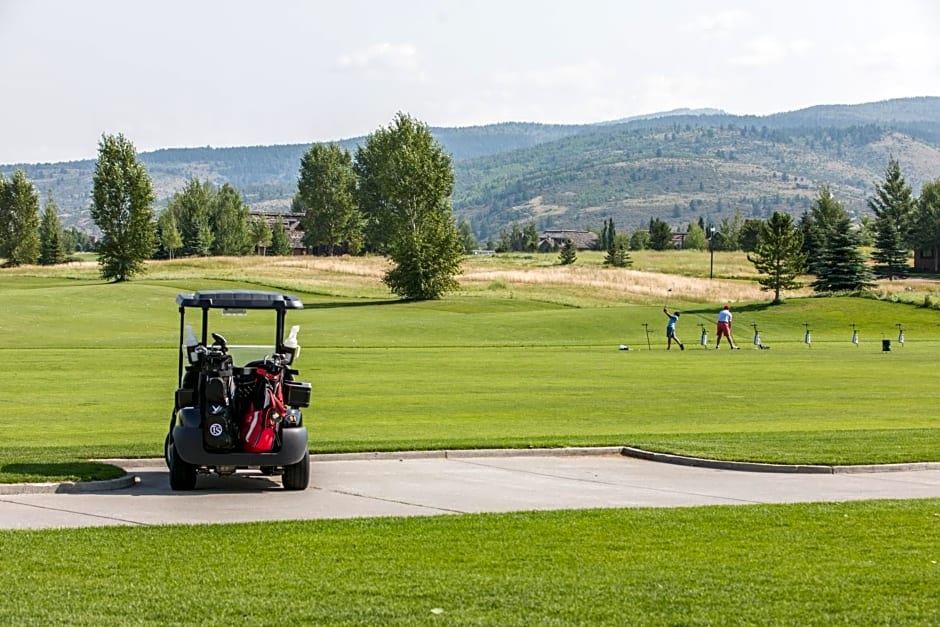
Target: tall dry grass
{"points": [[534, 276]]}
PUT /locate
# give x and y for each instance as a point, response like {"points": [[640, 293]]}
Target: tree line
{"points": [[393, 199]]}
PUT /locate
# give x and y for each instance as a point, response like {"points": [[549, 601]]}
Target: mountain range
{"points": [[677, 165]]}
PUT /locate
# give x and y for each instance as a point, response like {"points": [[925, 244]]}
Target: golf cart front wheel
{"points": [[297, 476], [182, 473]]}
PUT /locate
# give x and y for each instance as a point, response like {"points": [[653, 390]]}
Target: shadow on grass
{"points": [[24, 472], [368, 303], [749, 308]]}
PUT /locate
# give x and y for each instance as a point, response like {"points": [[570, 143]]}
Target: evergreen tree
{"points": [[611, 236], [750, 234], [893, 206], [926, 231], [19, 220], [51, 237], [842, 267], [326, 193], [568, 254], [660, 235], [620, 257], [406, 180], [818, 226], [778, 255], [280, 241], [122, 199]]}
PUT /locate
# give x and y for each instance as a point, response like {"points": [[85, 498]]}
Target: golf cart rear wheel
{"points": [[297, 476], [182, 474]]}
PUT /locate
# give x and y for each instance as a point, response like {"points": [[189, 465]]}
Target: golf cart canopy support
{"points": [[235, 300]]}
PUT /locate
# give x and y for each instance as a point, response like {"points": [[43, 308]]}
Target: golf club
{"points": [[668, 294], [646, 326]]}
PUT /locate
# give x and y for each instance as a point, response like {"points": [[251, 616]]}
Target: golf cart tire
{"points": [[297, 476], [182, 474]]}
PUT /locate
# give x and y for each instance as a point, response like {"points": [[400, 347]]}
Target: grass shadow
{"points": [[59, 471]]}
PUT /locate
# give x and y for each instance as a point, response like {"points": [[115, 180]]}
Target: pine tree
{"points": [[568, 254], [51, 237], [926, 232], [842, 267], [893, 206], [619, 257], [778, 255], [611, 243], [819, 224]]}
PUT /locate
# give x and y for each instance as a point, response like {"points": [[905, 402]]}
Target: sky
{"points": [[173, 73]]}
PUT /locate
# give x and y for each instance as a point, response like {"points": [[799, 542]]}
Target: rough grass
{"points": [[866, 563]]}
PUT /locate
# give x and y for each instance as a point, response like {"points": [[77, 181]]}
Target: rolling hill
{"points": [[675, 166]]}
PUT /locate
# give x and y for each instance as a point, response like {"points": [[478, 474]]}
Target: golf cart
{"points": [[229, 416]]}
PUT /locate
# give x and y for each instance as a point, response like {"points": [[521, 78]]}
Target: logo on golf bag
{"points": [[215, 429]]}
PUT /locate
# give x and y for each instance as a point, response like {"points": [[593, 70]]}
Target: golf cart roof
{"points": [[239, 299]]}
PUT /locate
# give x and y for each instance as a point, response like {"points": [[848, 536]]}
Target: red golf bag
{"points": [[261, 421]]}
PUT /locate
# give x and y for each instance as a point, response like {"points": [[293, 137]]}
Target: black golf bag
{"points": [[216, 399]]}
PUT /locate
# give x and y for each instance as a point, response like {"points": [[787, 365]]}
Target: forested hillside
{"points": [[675, 166]]}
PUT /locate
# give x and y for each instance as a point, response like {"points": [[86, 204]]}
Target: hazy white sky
{"points": [[174, 73]]}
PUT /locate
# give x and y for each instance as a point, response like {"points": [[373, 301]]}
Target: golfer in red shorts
{"points": [[724, 327]]}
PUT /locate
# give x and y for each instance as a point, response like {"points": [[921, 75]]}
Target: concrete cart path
{"points": [[343, 487]]}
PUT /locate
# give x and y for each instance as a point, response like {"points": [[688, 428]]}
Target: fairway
{"points": [[479, 371]]}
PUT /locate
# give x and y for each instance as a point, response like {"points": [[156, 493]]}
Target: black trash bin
{"points": [[886, 346]]}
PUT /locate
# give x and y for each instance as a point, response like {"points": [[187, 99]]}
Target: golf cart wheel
{"points": [[297, 476], [182, 474]]}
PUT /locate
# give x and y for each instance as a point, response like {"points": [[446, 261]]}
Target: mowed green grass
{"points": [[867, 563], [91, 370]]}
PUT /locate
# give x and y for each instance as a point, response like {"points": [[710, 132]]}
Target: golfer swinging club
{"points": [[724, 327], [671, 329]]}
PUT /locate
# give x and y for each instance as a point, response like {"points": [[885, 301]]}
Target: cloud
{"points": [[382, 59], [765, 51], [718, 23], [578, 76]]}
